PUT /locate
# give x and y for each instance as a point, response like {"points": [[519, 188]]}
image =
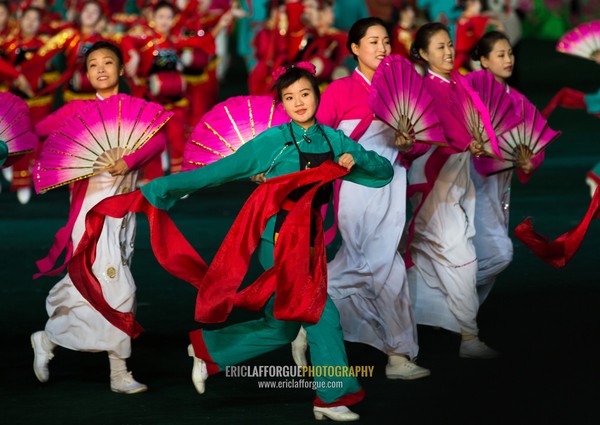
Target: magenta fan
{"points": [[16, 129], [483, 118], [228, 125], [582, 41], [399, 98], [525, 141], [500, 107], [95, 138]]}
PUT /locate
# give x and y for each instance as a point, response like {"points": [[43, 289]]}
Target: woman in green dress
{"points": [[299, 145]]}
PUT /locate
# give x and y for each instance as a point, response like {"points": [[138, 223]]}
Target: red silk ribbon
{"points": [[560, 251]]}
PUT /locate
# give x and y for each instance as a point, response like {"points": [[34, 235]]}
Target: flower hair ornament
{"points": [[307, 66]]}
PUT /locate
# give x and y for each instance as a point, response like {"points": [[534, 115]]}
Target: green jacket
{"points": [[3, 152], [272, 153]]}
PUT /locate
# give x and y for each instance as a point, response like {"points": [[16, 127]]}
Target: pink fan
{"points": [[501, 108], [228, 125], [400, 99], [582, 41], [525, 141], [16, 129], [95, 138], [483, 118]]}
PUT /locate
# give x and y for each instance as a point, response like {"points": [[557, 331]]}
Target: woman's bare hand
{"points": [[404, 142], [346, 160], [119, 168], [259, 178], [476, 148]]}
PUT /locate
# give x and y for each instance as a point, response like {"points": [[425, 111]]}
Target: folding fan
{"points": [[228, 125], [582, 41], [95, 138], [399, 98], [485, 110], [16, 129], [501, 108], [525, 141]]}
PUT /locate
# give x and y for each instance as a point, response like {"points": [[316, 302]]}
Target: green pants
{"points": [[243, 341]]}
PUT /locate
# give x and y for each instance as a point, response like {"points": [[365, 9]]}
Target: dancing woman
{"points": [[73, 323], [493, 245], [281, 150], [367, 278], [444, 275]]}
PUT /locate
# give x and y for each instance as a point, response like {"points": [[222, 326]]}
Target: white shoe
{"points": [[476, 349], [337, 413], [299, 347], [125, 384], [199, 371], [41, 356], [24, 195], [399, 367], [7, 173]]}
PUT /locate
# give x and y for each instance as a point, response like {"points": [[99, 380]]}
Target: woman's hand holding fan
{"points": [[228, 125], [95, 139], [487, 109], [399, 98], [522, 145]]}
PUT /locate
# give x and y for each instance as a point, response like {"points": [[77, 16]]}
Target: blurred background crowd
{"points": [[184, 53]]}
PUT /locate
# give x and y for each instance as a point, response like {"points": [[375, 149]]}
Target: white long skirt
{"points": [[443, 279], [492, 243], [367, 277], [73, 323]]}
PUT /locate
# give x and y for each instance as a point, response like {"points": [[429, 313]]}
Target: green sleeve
{"points": [[247, 161], [3, 152], [370, 169]]}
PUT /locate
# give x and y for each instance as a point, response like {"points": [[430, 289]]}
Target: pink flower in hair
{"points": [[307, 66], [278, 72]]}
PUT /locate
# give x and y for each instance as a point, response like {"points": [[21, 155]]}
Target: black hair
{"points": [[104, 45], [486, 44], [6, 5], [423, 37], [291, 75], [359, 29], [163, 4]]}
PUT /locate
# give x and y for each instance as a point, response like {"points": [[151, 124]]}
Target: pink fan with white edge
{"points": [[228, 125], [92, 140], [399, 98], [501, 108], [467, 104], [16, 129], [582, 41], [526, 141]]}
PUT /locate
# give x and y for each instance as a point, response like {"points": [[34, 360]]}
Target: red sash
{"points": [[560, 251], [298, 279]]}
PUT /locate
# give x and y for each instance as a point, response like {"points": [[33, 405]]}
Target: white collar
{"points": [[363, 76], [438, 75]]}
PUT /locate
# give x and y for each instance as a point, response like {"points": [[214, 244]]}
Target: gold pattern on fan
{"points": [[108, 158], [522, 153]]}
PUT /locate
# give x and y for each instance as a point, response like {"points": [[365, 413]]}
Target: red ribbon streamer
{"points": [[170, 247], [298, 279], [560, 251]]}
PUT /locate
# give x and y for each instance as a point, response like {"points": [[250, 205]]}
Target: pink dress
{"points": [[492, 243], [443, 278], [367, 276], [73, 323]]}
